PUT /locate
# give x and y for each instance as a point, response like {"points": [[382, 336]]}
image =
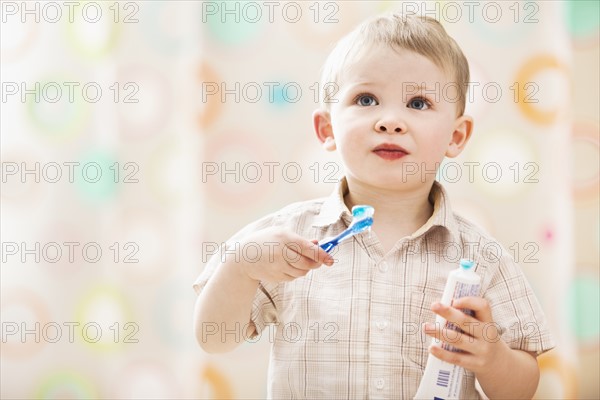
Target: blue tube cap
{"points": [[466, 264]]}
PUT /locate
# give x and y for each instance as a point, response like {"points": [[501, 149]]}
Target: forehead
{"points": [[387, 66]]}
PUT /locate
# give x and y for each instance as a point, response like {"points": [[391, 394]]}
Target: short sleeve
{"points": [[515, 308], [264, 310]]}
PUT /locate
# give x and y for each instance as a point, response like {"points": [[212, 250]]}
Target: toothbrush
{"points": [[361, 221]]}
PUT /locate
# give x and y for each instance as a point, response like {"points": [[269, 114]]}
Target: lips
{"points": [[389, 151]]}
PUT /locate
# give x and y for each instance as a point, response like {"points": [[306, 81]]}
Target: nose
{"points": [[390, 125]]}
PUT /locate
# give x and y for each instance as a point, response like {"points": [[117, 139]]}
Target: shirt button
{"points": [[380, 383], [382, 324], [383, 266]]}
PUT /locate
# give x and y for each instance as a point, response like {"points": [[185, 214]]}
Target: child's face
{"points": [[388, 131]]}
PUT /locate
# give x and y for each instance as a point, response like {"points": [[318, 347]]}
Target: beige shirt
{"points": [[353, 330]]}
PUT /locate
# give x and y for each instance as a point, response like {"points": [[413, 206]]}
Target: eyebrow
{"points": [[368, 83], [408, 88]]}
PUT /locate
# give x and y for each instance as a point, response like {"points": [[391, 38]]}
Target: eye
{"points": [[419, 103], [366, 100]]}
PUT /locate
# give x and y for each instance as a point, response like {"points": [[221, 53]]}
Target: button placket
{"points": [[382, 324], [383, 266]]}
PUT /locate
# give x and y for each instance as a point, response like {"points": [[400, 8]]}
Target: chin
{"points": [[389, 182]]}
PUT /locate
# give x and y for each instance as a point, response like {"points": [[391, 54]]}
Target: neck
{"points": [[397, 212]]}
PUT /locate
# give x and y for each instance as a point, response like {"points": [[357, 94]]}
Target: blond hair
{"points": [[421, 34]]}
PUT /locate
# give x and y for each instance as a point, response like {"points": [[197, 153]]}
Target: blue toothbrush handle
{"points": [[352, 230], [328, 246]]}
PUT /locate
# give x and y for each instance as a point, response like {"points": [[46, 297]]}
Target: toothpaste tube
{"points": [[442, 380]]}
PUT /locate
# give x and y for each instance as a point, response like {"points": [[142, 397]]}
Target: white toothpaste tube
{"points": [[442, 380]]}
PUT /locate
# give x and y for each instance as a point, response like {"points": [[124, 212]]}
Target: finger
{"points": [[280, 276], [308, 263], [470, 325], [293, 258], [313, 252], [323, 257], [313, 257], [479, 305], [464, 360], [457, 339], [452, 314], [307, 249], [295, 272], [304, 263]]}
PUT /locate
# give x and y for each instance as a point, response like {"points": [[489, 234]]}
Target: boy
{"points": [[355, 328]]}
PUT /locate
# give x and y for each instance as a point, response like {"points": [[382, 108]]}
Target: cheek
{"points": [[438, 132], [434, 146], [347, 129]]}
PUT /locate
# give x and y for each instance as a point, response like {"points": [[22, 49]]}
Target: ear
{"points": [[461, 135], [322, 125]]}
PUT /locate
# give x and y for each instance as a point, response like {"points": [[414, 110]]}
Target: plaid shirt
{"points": [[353, 330]]}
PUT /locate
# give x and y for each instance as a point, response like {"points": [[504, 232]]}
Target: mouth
{"points": [[389, 151]]}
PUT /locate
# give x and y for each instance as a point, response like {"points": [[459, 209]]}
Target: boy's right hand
{"points": [[276, 255]]}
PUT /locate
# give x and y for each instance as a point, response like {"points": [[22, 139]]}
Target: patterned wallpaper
{"points": [[138, 135]]}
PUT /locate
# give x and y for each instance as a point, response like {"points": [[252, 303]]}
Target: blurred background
{"points": [[138, 135]]}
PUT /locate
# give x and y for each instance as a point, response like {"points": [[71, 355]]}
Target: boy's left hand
{"points": [[480, 341]]}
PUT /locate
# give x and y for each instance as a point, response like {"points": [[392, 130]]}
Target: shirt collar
{"points": [[334, 209], [442, 216]]}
